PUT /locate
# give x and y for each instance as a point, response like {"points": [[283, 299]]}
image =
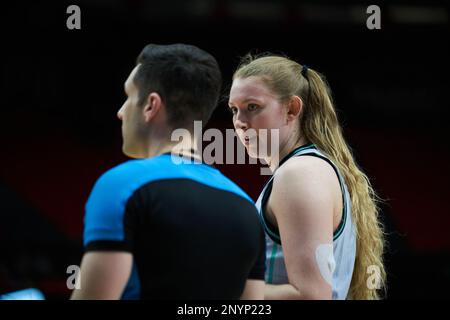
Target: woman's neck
{"points": [[274, 160]]}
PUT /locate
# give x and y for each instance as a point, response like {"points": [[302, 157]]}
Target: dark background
{"points": [[61, 89]]}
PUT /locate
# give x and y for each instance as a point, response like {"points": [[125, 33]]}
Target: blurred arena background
{"points": [[61, 90]]}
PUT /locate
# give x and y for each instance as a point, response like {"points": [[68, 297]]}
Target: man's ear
{"points": [[152, 106], [295, 106]]}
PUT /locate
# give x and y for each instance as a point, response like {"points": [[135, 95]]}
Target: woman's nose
{"points": [[240, 122]]}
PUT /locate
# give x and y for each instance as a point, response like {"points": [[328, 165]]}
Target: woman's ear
{"points": [[295, 106], [152, 106]]}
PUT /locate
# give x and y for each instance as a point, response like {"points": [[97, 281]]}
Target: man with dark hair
{"points": [[156, 228], [188, 80]]}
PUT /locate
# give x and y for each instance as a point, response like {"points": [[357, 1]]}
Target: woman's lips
{"points": [[248, 140]]}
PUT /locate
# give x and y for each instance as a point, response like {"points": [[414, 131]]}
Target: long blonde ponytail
{"points": [[320, 126]]}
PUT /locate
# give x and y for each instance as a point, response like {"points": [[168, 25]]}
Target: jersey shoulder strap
{"points": [[305, 150]]}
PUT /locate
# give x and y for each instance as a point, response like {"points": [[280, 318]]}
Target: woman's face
{"points": [[255, 107]]}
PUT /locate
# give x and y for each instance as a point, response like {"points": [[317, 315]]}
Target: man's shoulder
{"points": [[227, 184], [121, 170], [120, 181], [133, 171]]}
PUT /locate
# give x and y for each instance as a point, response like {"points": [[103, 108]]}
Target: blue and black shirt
{"points": [[193, 233]]}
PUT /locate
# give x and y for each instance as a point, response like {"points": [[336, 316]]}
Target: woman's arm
{"points": [[254, 290], [303, 201]]}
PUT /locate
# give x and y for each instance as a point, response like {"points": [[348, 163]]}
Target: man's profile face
{"points": [[132, 119]]}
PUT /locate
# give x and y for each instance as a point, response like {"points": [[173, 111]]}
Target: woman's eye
{"points": [[233, 110], [252, 107]]}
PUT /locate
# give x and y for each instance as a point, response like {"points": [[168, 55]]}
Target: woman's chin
{"points": [[252, 151]]}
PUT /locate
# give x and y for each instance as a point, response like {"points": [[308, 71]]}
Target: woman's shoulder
{"points": [[306, 178], [305, 166], [304, 186]]}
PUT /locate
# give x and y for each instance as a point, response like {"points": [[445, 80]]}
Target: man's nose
{"points": [[120, 113]]}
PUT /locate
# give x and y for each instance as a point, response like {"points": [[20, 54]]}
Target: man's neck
{"points": [[187, 147]]}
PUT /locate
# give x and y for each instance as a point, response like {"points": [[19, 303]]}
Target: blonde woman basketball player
{"points": [[319, 210]]}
